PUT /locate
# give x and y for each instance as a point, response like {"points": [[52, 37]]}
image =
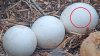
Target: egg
{"points": [[19, 40], [49, 31], [91, 45], [79, 18]]}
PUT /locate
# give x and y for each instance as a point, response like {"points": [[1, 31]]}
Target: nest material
{"points": [[25, 12]]}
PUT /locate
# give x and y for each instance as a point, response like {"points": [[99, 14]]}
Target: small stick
{"points": [[38, 7], [14, 5], [58, 3]]}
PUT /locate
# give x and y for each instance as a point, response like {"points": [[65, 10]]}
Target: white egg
{"points": [[79, 18], [19, 41], [49, 31]]}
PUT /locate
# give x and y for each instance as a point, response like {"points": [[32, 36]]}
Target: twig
{"points": [[28, 14], [30, 5], [23, 10], [1, 33], [37, 7], [14, 5], [58, 3], [76, 33]]}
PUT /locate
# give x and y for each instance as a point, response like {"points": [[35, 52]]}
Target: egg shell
{"points": [[49, 31], [91, 45], [19, 40], [79, 18]]}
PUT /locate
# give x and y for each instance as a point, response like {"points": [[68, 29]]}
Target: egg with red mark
{"points": [[79, 18]]}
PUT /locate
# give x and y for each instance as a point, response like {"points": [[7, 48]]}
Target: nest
{"points": [[25, 12]]}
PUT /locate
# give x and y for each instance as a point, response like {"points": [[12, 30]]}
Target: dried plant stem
{"points": [[37, 7]]}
